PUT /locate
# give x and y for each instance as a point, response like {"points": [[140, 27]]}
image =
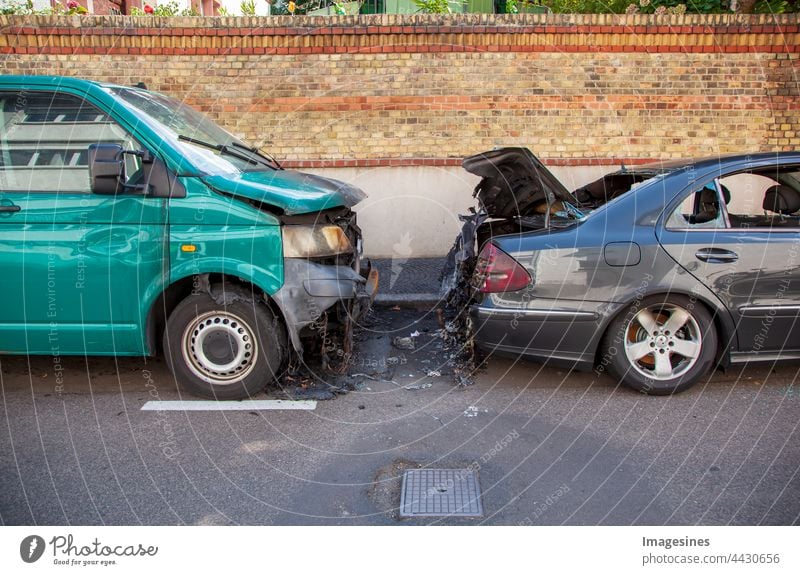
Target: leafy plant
{"points": [[8, 7], [25, 7], [660, 7], [74, 8], [775, 6], [222, 11], [587, 6], [433, 6], [248, 7], [167, 9], [282, 7]]}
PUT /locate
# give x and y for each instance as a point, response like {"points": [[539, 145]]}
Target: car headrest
{"points": [[709, 200], [708, 195], [726, 194], [781, 200]]}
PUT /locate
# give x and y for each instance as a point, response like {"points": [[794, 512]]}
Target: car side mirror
{"points": [[106, 168]]}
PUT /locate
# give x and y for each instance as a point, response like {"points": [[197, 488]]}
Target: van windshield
{"points": [[207, 146]]}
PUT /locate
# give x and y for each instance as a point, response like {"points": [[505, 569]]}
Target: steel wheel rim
{"points": [[663, 342], [219, 348]]}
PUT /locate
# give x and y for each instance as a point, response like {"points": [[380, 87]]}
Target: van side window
{"points": [[45, 138]]}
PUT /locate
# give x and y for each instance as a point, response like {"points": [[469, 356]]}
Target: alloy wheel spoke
{"points": [[637, 350], [677, 320], [647, 321], [686, 348], [663, 365]]}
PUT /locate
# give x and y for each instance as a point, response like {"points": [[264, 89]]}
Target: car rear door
{"points": [[749, 257]]}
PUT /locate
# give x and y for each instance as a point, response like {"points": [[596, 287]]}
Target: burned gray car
{"points": [[653, 274]]}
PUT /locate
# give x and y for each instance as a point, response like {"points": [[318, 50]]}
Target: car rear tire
{"points": [[661, 345], [228, 350]]}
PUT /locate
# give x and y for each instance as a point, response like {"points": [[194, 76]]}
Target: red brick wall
{"points": [[400, 90]]}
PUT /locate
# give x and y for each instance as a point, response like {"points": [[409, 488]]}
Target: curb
{"points": [[425, 300]]}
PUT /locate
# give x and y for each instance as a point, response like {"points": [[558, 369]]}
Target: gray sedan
{"points": [[653, 274]]}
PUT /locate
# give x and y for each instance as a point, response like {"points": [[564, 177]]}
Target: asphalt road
{"points": [[551, 447]]}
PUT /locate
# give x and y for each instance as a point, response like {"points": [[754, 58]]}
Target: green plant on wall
{"points": [[433, 6], [281, 7], [167, 9], [586, 6], [248, 7], [776, 6], [17, 7], [660, 7], [663, 6], [25, 7]]}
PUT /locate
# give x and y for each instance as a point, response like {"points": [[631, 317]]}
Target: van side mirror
{"points": [[106, 168], [107, 173]]}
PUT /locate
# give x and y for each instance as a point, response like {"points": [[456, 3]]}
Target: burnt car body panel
{"points": [[587, 271]]}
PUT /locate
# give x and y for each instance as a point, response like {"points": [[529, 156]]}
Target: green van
{"points": [[130, 224]]}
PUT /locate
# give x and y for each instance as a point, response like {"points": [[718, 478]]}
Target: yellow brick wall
{"points": [[395, 90]]}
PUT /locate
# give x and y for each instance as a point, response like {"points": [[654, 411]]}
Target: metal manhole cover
{"points": [[440, 493]]}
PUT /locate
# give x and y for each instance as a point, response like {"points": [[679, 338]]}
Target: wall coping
{"points": [[389, 20]]}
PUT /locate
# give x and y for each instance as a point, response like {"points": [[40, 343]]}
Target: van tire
{"points": [[225, 346]]}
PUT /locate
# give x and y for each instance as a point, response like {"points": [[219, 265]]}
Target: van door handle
{"points": [[716, 256], [9, 208]]}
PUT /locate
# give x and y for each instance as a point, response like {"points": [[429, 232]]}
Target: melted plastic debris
{"points": [[473, 411], [405, 343], [416, 386]]}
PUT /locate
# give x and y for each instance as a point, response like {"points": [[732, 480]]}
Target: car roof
{"points": [[54, 81], [710, 162]]}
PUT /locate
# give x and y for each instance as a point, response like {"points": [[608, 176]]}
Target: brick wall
{"points": [[394, 90]]}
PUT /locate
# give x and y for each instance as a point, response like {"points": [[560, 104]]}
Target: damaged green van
{"points": [[131, 224]]}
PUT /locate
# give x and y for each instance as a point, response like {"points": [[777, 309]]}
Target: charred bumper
{"points": [[310, 289], [459, 263]]}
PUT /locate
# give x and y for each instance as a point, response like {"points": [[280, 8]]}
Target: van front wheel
{"points": [[224, 350]]}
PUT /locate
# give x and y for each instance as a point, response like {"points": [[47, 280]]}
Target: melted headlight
{"points": [[314, 241]]}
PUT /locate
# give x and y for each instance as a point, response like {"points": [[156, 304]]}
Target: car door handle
{"points": [[9, 208], [716, 256]]}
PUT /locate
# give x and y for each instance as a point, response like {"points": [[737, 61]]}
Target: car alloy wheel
{"points": [[661, 344], [663, 341]]}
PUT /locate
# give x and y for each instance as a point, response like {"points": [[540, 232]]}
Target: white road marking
{"points": [[211, 405]]}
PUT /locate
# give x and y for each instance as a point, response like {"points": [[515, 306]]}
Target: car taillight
{"points": [[496, 271]]}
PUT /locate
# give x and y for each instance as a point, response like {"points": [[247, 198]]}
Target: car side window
{"points": [[699, 210], [45, 138], [764, 198]]}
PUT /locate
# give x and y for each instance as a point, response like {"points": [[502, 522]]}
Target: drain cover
{"points": [[440, 493]]}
